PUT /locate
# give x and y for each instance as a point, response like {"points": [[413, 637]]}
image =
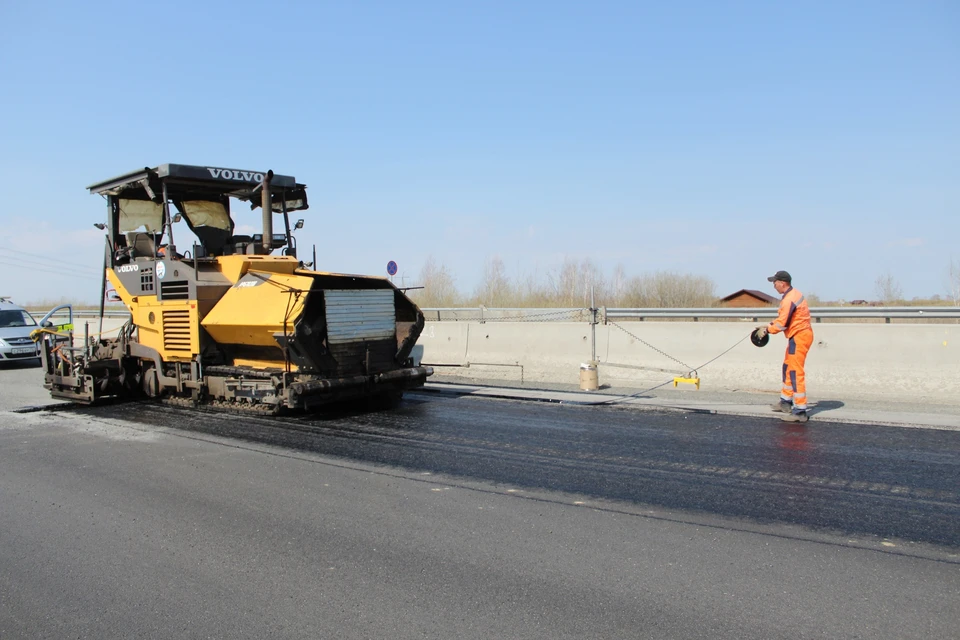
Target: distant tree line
{"points": [[568, 286], [890, 293]]}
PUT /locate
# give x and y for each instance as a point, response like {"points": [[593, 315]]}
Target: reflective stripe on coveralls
{"points": [[794, 379], [793, 319]]}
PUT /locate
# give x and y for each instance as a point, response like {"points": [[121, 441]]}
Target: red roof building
{"points": [[748, 298]]}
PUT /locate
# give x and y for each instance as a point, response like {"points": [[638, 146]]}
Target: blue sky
{"points": [[728, 139]]}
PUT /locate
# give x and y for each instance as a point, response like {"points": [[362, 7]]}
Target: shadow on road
{"points": [[30, 363], [825, 405]]}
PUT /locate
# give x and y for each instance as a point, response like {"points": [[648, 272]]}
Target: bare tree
{"points": [[670, 289], [573, 283], [888, 289], [532, 292], [495, 290], [953, 281], [564, 283], [592, 283], [438, 285], [618, 285]]}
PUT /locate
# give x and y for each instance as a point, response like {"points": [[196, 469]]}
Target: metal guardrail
{"points": [[816, 313], [506, 314], [577, 314], [483, 314]]}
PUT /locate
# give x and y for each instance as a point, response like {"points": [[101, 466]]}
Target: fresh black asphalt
{"points": [[459, 517]]}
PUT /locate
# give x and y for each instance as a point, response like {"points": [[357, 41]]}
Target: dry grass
{"points": [[569, 286], [79, 305]]}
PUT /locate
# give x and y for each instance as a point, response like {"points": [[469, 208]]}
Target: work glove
{"points": [[760, 332]]}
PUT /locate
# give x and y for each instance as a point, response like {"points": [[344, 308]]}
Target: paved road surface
{"points": [[473, 518]]}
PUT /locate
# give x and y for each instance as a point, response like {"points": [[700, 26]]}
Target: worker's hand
{"points": [[760, 332]]}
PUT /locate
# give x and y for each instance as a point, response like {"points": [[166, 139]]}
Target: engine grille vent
{"points": [[175, 290], [176, 330]]}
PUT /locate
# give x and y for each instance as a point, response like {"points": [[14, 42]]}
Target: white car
{"points": [[15, 327]]}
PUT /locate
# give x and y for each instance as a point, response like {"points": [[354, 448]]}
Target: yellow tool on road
{"points": [[695, 381]]}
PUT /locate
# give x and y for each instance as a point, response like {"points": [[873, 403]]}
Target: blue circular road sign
{"points": [[392, 268]]}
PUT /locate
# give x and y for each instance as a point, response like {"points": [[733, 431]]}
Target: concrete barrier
{"points": [[908, 362], [912, 362]]}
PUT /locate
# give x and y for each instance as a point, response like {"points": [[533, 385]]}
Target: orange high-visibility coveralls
{"points": [[794, 321]]}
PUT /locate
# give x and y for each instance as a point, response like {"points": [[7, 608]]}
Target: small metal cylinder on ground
{"points": [[589, 380]]}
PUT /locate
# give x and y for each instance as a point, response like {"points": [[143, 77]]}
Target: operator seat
{"points": [[212, 239], [143, 245]]}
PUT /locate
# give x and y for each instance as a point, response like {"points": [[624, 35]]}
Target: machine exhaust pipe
{"points": [[266, 203]]}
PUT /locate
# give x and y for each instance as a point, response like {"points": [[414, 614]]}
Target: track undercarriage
{"points": [[122, 369]]}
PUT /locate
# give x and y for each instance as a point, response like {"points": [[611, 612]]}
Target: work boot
{"points": [[795, 417], [782, 407]]}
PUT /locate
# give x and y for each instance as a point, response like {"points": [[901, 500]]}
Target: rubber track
{"points": [[225, 406]]}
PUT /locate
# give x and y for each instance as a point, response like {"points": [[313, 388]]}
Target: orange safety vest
{"points": [[794, 315]]}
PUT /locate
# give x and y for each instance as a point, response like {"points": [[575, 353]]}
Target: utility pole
{"points": [[589, 377], [593, 328]]}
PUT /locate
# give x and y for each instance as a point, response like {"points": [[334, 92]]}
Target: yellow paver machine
{"points": [[226, 322]]}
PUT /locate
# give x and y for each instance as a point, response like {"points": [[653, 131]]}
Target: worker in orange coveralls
{"points": [[794, 321]]}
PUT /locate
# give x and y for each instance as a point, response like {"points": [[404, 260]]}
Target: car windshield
{"points": [[16, 318]]}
